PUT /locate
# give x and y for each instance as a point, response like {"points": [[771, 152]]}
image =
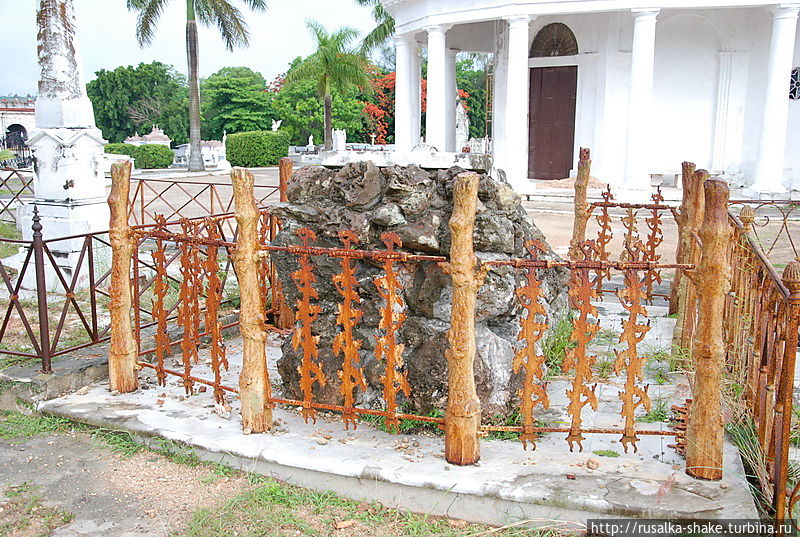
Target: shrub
{"points": [[121, 149], [256, 148], [153, 156]]}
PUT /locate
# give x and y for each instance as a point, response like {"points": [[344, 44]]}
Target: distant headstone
{"points": [[310, 145], [339, 140]]}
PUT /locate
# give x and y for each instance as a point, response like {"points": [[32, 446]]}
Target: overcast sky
{"points": [[106, 33]]}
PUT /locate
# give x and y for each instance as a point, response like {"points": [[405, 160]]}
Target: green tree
{"points": [[384, 25], [303, 115], [333, 67], [132, 99], [471, 78], [235, 100], [221, 13]]}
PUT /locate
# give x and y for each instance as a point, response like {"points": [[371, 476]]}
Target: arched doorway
{"points": [[553, 92], [16, 135]]}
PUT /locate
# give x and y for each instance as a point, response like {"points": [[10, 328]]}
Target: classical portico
{"points": [[646, 86]]}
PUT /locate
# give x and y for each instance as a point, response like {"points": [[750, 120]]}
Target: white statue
{"points": [[462, 127], [310, 145], [276, 124]]}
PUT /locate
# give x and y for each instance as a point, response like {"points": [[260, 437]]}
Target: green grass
{"points": [[408, 426], [8, 230], [271, 508], [658, 412], [606, 453], [557, 342], [24, 514], [16, 426]]}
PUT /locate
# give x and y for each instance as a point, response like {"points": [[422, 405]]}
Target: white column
{"points": [[416, 94], [403, 116], [436, 115], [721, 114], [771, 147], [450, 100], [515, 151], [640, 102]]}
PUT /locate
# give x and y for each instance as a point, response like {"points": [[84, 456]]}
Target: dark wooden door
{"points": [[552, 121]]}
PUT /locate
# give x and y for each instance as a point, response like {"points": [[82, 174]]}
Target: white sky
{"points": [[106, 33]]}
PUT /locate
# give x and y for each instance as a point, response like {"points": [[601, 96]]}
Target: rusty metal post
{"points": [[122, 354], [254, 387], [284, 173], [783, 406], [712, 278], [581, 206], [463, 414], [41, 293]]}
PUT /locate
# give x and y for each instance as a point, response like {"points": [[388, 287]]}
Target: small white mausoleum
{"points": [[644, 85]]}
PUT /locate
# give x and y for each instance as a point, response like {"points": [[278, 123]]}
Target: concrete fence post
{"points": [[254, 387], [581, 206], [122, 354], [463, 414], [704, 435]]}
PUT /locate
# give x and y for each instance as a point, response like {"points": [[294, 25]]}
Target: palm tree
{"points": [[384, 29], [334, 67], [221, 13]]}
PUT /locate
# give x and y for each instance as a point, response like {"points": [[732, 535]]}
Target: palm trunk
{"points": [[328, 122], [196, 155]]}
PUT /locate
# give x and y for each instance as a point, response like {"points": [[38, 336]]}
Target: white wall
{"points": [[684, 92], [792, 163]]}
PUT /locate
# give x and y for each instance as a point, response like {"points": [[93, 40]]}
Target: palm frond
{"points": [[378, 36], [149, 13], [227, 18]]}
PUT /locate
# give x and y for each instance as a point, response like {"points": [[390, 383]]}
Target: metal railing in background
{"points": [[16, 185]]}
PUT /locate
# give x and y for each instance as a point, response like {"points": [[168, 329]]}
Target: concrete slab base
{"points": [[509, 485]]}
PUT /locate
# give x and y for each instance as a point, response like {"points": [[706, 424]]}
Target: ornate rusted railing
{"points": [[638, 223], [759, 326], [200, 248]]}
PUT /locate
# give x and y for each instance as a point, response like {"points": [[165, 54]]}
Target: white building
{"points": [[156, 137], [645, 85]]}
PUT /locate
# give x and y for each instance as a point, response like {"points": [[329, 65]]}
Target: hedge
{"points": [[121, 149], [153, 156], [257, 148]]}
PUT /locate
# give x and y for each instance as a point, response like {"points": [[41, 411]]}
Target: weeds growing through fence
{"points": [[557, 342], [659, 411]]}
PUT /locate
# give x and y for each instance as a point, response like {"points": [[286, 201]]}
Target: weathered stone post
{"points": [[712, 278], [581, 208], [254, 387], [463, 414], [122, 350], [689, 220], [681, 216], [783, 406]]}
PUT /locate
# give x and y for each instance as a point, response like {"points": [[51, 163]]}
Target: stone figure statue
{"points": [[276, 124]]}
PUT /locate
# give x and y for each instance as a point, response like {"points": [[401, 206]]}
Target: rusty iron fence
{"points": [[201, 248], [50, 309], [16, 185], [176, 199]]}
